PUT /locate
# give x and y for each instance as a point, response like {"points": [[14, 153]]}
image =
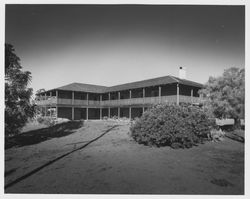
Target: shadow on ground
{"points": [[40, 135]]}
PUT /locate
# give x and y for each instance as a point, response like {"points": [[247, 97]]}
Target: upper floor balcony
{"points": [[171, 93], [119, 102]]}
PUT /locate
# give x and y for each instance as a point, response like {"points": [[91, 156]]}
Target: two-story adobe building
{"points": [[84, 101]]}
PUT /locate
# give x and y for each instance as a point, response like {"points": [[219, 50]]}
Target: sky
{"points": [[110, 44]]}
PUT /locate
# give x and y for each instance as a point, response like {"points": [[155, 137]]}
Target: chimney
{"points": [[182, 73]]}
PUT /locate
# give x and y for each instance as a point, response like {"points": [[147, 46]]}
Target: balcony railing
{"points": [[47, 100], [121, 102]]}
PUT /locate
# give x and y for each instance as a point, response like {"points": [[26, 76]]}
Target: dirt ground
{"points": [[117, 164]]}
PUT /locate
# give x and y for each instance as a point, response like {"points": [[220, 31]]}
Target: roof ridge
{"points": [[174, 78]]}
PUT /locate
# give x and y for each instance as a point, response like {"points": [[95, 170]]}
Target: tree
{"points": [[225, 95], [18, 108]]}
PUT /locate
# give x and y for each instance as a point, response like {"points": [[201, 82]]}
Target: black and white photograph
{"points": [[141, 99]]}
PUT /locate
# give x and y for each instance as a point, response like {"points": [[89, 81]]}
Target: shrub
{"points": [[48, 121], [217, 135], [172, 125]]}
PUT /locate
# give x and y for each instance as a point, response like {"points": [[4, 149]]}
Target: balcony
{"points": [[121, 102], [46, 101]]}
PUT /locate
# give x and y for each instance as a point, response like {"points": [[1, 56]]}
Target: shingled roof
{"points": [[152, 82], [133, 85], [82, 88]]}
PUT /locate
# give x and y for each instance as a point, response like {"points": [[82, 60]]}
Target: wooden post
{"points": [[56, 112], [130, 96], [143, 95], [73, 97], [119, 97], [109, 112], [143, 109], [130, 112], [178, 96], [100, 113], [159, 94], [192, 96], [50, 112], [87, 113], [56, 96], [73, 113], [45, 111]]}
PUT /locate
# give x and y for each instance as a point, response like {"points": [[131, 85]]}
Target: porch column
{"points": [[143, 109], [178, 96], [130, 112], [100, 113], [50, 112], [130, 96], [119, 97], [100, 106], [109, 107], [87, 108], [45, 111], [143, 95], [73, 97], [56, 96], [73, 113], [56, 112], [119, 110], [159, 94], [192, 95]]}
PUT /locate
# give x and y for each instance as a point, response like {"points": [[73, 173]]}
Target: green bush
{"points": [[48, 121], [172, 125]]}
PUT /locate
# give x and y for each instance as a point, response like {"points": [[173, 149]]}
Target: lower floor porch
{"points": [[92, 113]]}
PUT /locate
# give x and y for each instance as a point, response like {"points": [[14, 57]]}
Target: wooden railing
{"points": [[121, 102], [47, 100]]}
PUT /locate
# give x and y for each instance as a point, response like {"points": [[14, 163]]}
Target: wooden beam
{"points": [[178, 94], [159, 94], [119, 110], [100, 113], [73, 97], [73, 113], [192, 95], [56, 112]]}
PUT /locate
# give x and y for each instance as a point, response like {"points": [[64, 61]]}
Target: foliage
{"points": [[18, 108], [225, 95], [48, 121], [172, 125], [217, 135]]}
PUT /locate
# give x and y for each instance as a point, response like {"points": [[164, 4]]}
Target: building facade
{"points": [[84, 101]]}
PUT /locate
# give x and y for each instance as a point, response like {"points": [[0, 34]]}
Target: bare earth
{"points": [[117, 164]]}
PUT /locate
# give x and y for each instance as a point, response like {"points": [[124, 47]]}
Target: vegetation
{"points": [[172, 125], [18, 108], [226, 94]]}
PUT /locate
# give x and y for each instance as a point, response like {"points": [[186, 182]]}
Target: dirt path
{"points": [[116, 164]]}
